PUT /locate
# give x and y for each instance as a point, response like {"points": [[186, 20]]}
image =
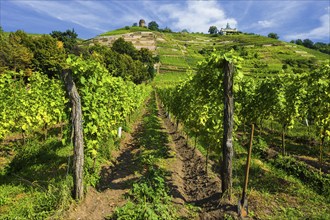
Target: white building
{"points": [[228, 30]]}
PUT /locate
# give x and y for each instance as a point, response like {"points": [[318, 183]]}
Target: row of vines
{"points": [[41, 78], [107, 104], [287, 99], [37, 103], [30, 104]]}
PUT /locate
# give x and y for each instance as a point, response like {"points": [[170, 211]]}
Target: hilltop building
{"points": [[228, 30], [142, 23]]}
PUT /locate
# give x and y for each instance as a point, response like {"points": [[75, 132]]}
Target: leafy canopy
{"points": [[153, 26]]}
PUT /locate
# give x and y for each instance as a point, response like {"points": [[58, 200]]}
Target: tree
{"points": [[48, 55], [213, 30], [69, 39], [145, 56], [167, 30], [323, 47], [308, 43], [124, 61], [123, 47], [13, 54], [153, 26], [135, 24], [320, 45], [273, 35]]}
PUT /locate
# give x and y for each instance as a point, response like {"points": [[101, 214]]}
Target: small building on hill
{"points": [[228, 30], [142, 23]]}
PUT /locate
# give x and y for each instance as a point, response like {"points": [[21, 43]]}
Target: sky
{"points": [[290, 19]]}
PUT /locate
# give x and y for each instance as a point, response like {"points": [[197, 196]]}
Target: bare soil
{"points": [[115, 182], [190, 182]]}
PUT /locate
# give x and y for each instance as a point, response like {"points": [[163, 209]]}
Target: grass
{"points": [[124, 31], [35, 184], [273, 194], [169, 79], [177, 61], [179, 50], [301, 140], [169, 51]]}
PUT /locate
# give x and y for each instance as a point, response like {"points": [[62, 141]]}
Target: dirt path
{"points": [[190, 182], [115, 182]]}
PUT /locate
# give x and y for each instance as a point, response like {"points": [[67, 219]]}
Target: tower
{"points": [[142, 23]]}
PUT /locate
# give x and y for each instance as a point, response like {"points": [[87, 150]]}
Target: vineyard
{"points": [[168, 146]]}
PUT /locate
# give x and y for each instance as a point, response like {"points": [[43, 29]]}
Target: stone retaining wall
{"points": [[139, 40]]}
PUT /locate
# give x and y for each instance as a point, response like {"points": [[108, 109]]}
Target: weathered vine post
{"points": [[323, 134], [283, 139], [227, 148], [78, 157]]}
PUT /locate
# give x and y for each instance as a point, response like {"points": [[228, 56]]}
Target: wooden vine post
{"points": [[283, 139], [78, 157], [227, 148]]}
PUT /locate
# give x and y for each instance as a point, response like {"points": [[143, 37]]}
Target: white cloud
{"points": [[266, 23], [321, 32], [90, 14], [77, 12], [195, 16], [273, 14]]}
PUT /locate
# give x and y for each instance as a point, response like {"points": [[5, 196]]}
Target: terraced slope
{"points": [[180, 52], [140, 39]]}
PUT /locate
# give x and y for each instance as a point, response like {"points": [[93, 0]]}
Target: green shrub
{"points": [[259, 146], [318, 181]]}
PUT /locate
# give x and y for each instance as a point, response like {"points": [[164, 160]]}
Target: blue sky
{"points": [[289, 19]]}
